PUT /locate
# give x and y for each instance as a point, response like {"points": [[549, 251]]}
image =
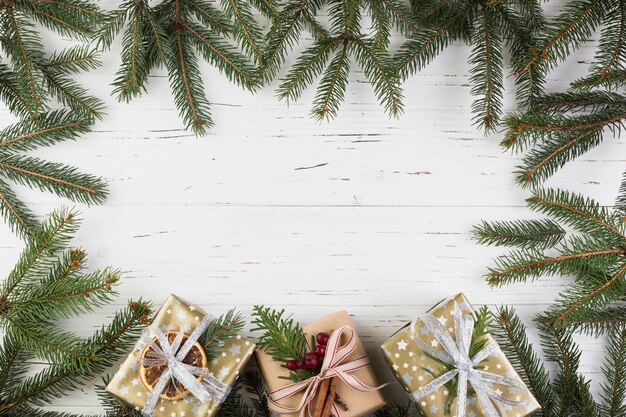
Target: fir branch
{"points": [[377, 66], [24, 46], [510, 332], [425, 44], [540, 234], [187, 85], [257, 391], [568, 31], [244, 29], [19, 217], [133, 71], [282, 338], [614, 370], [597, 292], [406, 409], [332, 87], [611, 52], [546, 159], [37, 257], [595, 322], [582, 213], [486, 72], [73, 96], [309, 65], [224, 328], [577, 101], [560, 348], [57, 178]]}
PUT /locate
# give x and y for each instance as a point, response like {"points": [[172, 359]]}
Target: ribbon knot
{"points": [[334, 365], [171, 355], [455, 353]]}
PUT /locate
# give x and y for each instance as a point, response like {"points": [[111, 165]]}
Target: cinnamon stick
{"points": [[322, 393], [330, 398]]}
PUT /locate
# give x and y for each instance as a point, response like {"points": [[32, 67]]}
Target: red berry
{"points": [[320, 350], [301, 365], [292, 365], [322, 339], [310, 360]]}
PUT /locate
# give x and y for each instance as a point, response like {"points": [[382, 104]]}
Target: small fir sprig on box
{"points": [[285, 341], [50, 283]]}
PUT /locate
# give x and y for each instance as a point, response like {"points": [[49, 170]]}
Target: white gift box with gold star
{"points": [[176, 314], [415, 368]]}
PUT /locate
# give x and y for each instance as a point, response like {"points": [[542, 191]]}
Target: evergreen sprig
{"points": [[331, 54], [593, 253], [282, 338], [48, 283], [490, 28], [568, 392], [563, 126], [248, 398], [219, 331], [64, 180], [173, 34], [406, 409], [29, 78]]}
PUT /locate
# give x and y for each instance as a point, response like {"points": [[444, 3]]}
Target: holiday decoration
{"points": [[594, 255], [340, 383], [568, 392], [50, 283], [30, 78], [493, 30], [63, 180], [186, 362], [450, 365], [34, 82], [562, 126]]}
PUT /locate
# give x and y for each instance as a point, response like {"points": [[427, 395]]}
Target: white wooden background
{"points": [[363, 213]]}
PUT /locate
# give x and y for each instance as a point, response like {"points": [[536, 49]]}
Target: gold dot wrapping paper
{"points": [[415, 368], [176, 314]]}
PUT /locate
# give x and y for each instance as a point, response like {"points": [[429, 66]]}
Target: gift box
{"points": [[418, 363], [357, 403], [134, 381]]}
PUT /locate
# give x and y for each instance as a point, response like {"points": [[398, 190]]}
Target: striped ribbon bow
{"points": [[456, 354], [169, 355], [332, 366]]}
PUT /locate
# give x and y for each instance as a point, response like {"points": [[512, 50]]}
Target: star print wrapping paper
{"points": [[414, 368], [358, 403], [175, 314]]}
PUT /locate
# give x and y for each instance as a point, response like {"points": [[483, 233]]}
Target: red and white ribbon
{"points": [[333, 366]]}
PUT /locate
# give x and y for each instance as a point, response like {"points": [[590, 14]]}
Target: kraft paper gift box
{"points": [[414, 368], [358, 403], [175, 314]]}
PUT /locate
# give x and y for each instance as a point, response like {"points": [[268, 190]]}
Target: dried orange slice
{"points": [[151, 374]]}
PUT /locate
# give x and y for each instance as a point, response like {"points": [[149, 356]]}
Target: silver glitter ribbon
{"points": [[456, 354], [169, 355]]}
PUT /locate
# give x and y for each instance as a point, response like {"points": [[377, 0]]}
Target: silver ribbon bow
{"points": [[456, 354], [168, 354]]}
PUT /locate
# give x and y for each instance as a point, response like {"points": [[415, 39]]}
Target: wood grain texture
{"points": [[363, 213]]}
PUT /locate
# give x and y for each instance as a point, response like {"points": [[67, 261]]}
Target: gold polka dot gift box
{"points": [[169, 374], [451, 369]]}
